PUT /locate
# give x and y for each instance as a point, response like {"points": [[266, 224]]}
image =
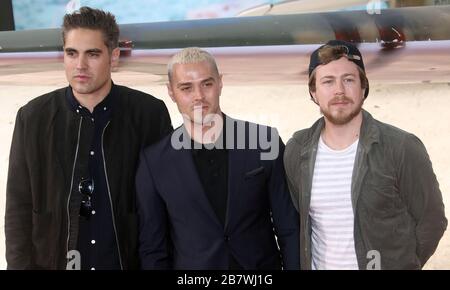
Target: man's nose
{"points": [[339, 88], [198, 94], [81, 63]]}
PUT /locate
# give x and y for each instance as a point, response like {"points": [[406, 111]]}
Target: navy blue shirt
{"points": [[97, 242]]}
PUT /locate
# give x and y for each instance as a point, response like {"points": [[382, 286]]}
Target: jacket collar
{"points": [[105, 105], [369, 133]]}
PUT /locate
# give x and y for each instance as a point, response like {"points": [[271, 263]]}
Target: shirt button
{"points": [[92, 119], [78, 111], [92, 153], [93, 242], [93, 211], [104, 109], [92, 268]]}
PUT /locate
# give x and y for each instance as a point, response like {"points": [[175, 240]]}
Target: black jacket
{"points": [[40, 211]]}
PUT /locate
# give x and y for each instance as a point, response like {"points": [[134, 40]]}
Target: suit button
{"points": [[227, 238]]}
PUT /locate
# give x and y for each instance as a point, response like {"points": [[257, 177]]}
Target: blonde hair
{"points": [[191, 55]]}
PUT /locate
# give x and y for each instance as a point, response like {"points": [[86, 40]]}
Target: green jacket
{"points": [[397, 204]]}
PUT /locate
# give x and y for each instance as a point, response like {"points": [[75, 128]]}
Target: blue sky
{"points": [[32, 14]]}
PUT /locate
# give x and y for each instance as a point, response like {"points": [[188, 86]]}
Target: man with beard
{"points": [[365, 190]]}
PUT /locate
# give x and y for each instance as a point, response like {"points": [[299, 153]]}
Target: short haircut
{"points": [[191, 55], [328, 54], [94, 19]]}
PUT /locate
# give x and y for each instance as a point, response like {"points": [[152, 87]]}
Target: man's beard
{"points": [[342, 118]]}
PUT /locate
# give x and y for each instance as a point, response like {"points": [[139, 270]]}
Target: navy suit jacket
{"points": [[180, 230]]}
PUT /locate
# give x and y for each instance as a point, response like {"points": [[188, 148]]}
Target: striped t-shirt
{"points": [[331, 212]]}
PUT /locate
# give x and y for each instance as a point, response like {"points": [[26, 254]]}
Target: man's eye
{"points": [[208, 84], [185, 89], [349, 80], [93, 54]]}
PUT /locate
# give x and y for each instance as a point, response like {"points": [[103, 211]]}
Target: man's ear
{"points": [[220, 82], [313, 97], [115, 55], [170, 92]]}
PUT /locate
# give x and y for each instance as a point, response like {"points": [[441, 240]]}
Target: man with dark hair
{"points": [[70, 194], [96, 20], [365, 190]]}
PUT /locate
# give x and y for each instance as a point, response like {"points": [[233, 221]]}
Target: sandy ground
{"points": [[420, 109]]}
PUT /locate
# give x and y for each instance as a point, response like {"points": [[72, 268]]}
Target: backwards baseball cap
{"points": [[349, 50]]}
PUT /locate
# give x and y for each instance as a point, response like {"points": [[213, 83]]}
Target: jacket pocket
{"points": [[43, 239], [379, 194], [254, 172]]}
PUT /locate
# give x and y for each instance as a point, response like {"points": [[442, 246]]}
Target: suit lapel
{"points": [[187, 173]]}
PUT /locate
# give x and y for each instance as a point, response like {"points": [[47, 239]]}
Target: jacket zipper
{"points": [[71, 186], [110, 199]]}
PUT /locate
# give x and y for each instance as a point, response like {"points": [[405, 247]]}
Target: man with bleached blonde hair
{"points": [[212, 195]]}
